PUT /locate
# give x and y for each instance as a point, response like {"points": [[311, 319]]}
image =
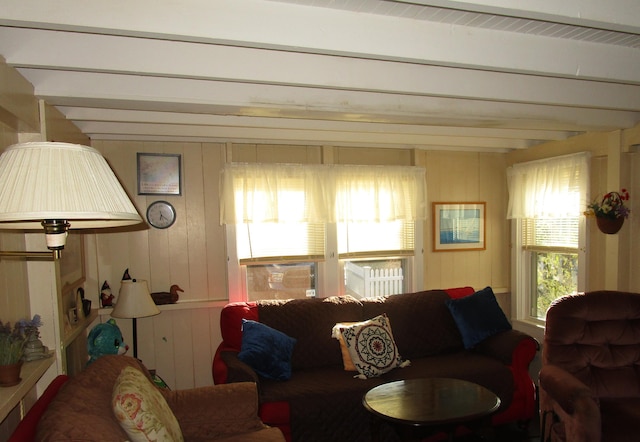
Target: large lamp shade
{"points": [[68, 186]]}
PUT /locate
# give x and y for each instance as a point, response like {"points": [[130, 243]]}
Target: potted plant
{"points": [[611, 212], [12, 344]]}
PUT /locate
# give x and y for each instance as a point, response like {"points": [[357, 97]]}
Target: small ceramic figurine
{"points": [[106, 297], [126, 276], [105, 339]]}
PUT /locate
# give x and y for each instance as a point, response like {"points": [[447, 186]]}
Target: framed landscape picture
{"points": [[458, 226]]}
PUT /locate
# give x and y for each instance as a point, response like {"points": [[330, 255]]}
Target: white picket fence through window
{"points": [[367, 282]]}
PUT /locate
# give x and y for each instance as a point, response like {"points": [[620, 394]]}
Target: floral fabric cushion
{"points": [[372, 348], [141, 409]]}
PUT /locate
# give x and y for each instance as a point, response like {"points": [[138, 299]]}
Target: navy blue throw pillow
{"points": [[266, 350], [478, 317]]}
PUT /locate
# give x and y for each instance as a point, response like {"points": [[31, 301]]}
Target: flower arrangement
{"points": [[12, 341], [612, 206]]}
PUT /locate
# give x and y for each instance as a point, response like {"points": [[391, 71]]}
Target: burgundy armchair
{"points": [[590, 376]]}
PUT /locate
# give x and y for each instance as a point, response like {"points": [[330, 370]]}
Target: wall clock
{"points": [[161, 214]]}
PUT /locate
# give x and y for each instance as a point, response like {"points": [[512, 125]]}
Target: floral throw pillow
{"points": [[372, 348], [141, 409]]}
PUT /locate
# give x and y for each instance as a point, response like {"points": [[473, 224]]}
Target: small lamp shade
{"points": [[134, 301], [47, 184]]}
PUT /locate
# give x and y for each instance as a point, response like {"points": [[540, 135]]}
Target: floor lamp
{"points": [[56, 187], [134, 301]]}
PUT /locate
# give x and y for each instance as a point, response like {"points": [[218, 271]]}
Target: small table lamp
{"points": [[134, 301]]}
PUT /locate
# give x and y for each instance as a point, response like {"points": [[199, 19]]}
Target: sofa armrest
{"points": [[511, 347], [568, 406], [209, 413], [238, 371]]}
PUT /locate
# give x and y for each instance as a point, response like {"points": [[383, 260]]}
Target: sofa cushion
{"points": [[467, 365], [478, 316], [371, 346], [141, 410], [422, 324], [323, 410], [266, 350], [310, 322]]}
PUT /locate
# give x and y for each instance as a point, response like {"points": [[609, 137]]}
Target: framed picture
{"points": [[72, 272], [159, 174], [458, 226]]}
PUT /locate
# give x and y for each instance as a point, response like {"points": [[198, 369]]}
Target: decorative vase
{"points": [[609, 226], [34, 349], [10, 374]]}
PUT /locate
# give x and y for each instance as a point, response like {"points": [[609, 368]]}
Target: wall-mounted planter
{"points": [[609, 226]]}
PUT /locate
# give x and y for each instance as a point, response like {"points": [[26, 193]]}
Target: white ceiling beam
{"points": [[618, 15], [288, 101], [79, 114], [256, 23], [93, 129], [100, 53]]}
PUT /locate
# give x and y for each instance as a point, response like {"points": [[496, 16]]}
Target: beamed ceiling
{"points": [[469, 75]]}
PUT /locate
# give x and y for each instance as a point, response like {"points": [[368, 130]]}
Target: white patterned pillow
{"points": [[371, 347], [142, 411]]}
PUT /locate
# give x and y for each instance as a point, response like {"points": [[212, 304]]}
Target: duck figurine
{"points": [[170, 297]]}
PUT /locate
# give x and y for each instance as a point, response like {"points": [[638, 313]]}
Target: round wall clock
{"points": [[161, 214]]}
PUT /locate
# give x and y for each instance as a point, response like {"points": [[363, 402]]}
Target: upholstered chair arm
{"points": [[568, 406], [238, 371], [511, 347], [214, 412]]}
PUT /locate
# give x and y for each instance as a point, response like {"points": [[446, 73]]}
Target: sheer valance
{"points": [[258, 193], [550, 188]]}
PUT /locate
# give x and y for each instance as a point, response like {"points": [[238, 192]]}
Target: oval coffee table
{"points": [[418, 407]]}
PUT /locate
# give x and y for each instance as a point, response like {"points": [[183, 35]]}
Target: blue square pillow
{"points": [[266, 350], [478, 317]]}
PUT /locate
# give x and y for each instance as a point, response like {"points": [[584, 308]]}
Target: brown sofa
{"points": [[81, 409], [321, 401], [590, 375]]}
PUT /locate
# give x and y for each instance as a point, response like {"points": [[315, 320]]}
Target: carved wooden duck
{"points": [[170, 297]]}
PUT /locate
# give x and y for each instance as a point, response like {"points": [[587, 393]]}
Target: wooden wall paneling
{"points": [[15, 303], [244, 153], [633, 222], [436, 179], [177, 255], [596, 240], [206, 328], [195, 221], [493, 174], [146, 340], [213, 156], [164, 340], [18, 105], [58, 128], [184, 336], [374, 156]]}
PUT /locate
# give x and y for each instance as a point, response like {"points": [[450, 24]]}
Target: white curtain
{"points": [[550, 188], [258, 193]]}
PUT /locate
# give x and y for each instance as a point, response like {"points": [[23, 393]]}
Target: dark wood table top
{"points": [[430, 401]]}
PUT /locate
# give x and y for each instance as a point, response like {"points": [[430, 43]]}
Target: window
{"points": [[546, 201], [307, 221]]}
